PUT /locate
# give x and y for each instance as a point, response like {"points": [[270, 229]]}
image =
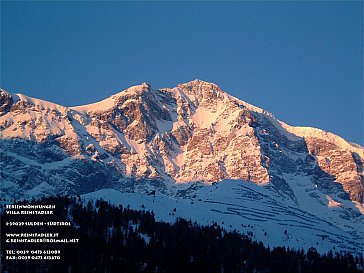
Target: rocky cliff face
{"points": [[191, 133]]}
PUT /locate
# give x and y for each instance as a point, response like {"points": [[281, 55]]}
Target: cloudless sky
{"points": [[302, 61]]}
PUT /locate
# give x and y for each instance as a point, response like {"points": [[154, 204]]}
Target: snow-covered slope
{"points": [[140, 140], [254, 210]]}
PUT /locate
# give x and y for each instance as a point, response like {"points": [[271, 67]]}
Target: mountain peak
{"points": [[135, 89], [199, 84], [143, 86], [110, 102]]}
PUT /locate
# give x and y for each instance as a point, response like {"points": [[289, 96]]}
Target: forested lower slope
{"points": [[117, 239]]}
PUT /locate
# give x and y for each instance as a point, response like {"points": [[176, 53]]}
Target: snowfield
{"points": [[247, 207]]}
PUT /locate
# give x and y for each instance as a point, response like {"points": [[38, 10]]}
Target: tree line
{"points": [[118, 239]]}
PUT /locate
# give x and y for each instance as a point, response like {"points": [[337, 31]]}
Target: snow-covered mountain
{"points": [[181, 142]]}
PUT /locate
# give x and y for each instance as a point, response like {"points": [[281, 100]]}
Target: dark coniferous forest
{"points": [[118, 239]]}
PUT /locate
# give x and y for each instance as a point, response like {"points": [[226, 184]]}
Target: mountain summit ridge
{"points": [[193, 132]]}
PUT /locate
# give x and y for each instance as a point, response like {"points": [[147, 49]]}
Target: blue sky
{"points": [[302, 61]]}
